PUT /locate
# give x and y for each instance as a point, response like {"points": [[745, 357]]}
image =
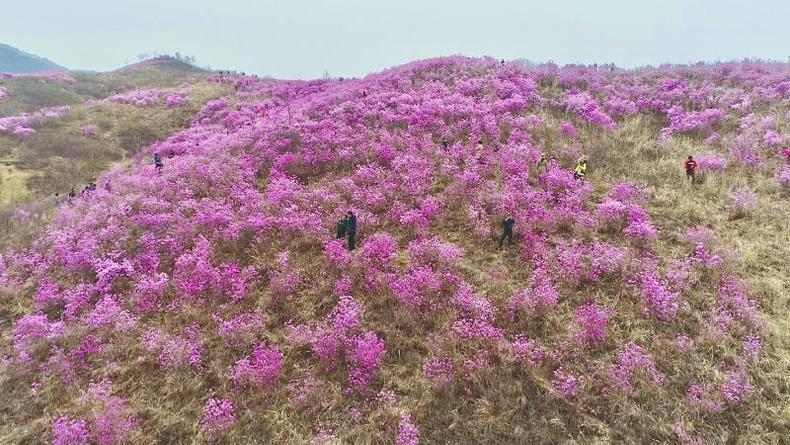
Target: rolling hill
{"points": [[211, 300]]}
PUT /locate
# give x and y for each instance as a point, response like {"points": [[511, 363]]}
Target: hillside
{"points": [[211, 302], [13, 60], [76, 125]]}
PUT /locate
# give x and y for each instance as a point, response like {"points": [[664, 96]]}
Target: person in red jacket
{"points": [[691, 167]]}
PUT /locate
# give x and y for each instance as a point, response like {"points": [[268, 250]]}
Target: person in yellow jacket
{"points": [[581, 169]]}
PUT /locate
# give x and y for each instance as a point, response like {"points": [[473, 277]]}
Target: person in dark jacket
{"points": [[158, 162], [351, 230], [342, 226], [507, 230]]}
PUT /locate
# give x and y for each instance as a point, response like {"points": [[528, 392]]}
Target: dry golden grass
{"points": [[59, 157], [506, 405]]}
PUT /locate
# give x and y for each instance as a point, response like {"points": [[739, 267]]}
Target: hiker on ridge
{"points": [[351, 230], [507, 230], [691, 167], [342, 227]]}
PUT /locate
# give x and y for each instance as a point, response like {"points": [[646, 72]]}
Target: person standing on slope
{"points": [[542, 161], [342, 227], [507, 230], [158, 162], [581, 170], [351, 230], [691, 167]]}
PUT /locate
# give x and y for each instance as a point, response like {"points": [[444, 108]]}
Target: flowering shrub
{"points": [[568, 129], [59, 76], [640, 228], [440, 372], [680, 121], [340, 339], [112, 421], [175, 351], [565, 384], [628, 193], [176, 99], [262, 368], [242, 330], [630, 359], [591, 322], [710, 162], [89, 130], [21, 125], [588, 109], [701, 235], [618, 106], [526, 352], [138, 98], [772, 138], [657, 299], [408, 434], [219, 415], [70, 432], [714, 396], [783, 176], [540, 296], [742, 201]]}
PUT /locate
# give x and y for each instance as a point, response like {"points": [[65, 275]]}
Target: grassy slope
{"points": [[59, 157], [170, 403], [759, 243]]}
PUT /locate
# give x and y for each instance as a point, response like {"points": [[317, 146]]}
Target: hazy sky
{"points": [[301, 39]]}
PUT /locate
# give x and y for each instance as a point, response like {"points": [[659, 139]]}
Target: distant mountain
{"points": [[13, 60]]}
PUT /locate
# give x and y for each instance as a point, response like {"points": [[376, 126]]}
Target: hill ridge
{"points": [[17, 61]]}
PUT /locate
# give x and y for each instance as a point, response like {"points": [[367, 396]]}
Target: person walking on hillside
{"points": [[691, 167], [72, 194], [108, 186], [158, 162], [542, 161], [351, 230], [507, 230], [581, 170], [342, 227]]}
